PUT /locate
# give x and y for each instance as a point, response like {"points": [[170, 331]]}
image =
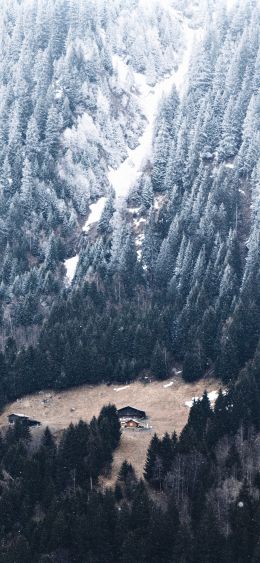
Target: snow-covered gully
{"points": [[125, 176], [149, 98]]}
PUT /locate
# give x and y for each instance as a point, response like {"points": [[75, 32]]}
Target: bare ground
{"points": [[164, 406]]}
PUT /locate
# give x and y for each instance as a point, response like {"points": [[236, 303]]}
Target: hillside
{"points": [[129, 219], [68, 117]]}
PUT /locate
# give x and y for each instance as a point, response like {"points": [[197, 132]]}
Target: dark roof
{"points": [[23, 418], [131, 411]]}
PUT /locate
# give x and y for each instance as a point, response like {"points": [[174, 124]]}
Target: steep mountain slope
{"points": [[148, 98], [192, 217], [206, 166], [65, 119], [165, 267]]}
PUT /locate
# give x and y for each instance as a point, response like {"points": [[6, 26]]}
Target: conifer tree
{"points": [[153, 455]]}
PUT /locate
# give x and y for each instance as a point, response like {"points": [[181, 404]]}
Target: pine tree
{"points": [[153, 453], [194, 363], [167, 452], [140, 513], [52, 132], [33, 147], [243, 526], [159, 362], [6, 179], [59, 531], [200, 414], [109, 425]]}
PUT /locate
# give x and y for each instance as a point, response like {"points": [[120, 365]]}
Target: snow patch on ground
{"points": [[139, 239], [139, 221], [231, 4], [71, 266], [213, 395], [83, 131], [190, 403], [58, 94], [158, 202], [133, 209], [96, 210], [138, 243], [229, 165], [121, 388], [168, 384]]}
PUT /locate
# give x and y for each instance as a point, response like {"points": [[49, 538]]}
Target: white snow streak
{"points": [[168, 384], [229, 165], [120, 388], [133, 209], [71, 266], [96, 210], [149, 97]]}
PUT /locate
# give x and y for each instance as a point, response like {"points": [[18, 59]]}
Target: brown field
{"points": [[164, 406]]}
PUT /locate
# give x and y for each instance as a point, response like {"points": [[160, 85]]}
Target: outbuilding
{"points": [[26, 420], [132, 424]]}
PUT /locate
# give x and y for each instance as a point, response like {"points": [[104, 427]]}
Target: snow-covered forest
{"points": [[67, 116], [129, 154]]}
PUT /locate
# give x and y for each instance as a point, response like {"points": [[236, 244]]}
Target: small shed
{"points": [[26, 420], [132, 424], [130, 412]]}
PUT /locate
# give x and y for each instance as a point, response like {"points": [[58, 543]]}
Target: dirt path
{"points": [[163, 401]]}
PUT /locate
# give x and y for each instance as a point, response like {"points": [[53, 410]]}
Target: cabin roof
{"points": [[18, 414], [24, 417], [131, 410]]}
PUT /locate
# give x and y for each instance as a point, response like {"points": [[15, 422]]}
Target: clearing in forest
{"points": [[163, 402]]}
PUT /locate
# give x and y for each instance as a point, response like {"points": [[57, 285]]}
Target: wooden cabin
{"points": [[132, 424], [26, 420], [130, 412]]}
